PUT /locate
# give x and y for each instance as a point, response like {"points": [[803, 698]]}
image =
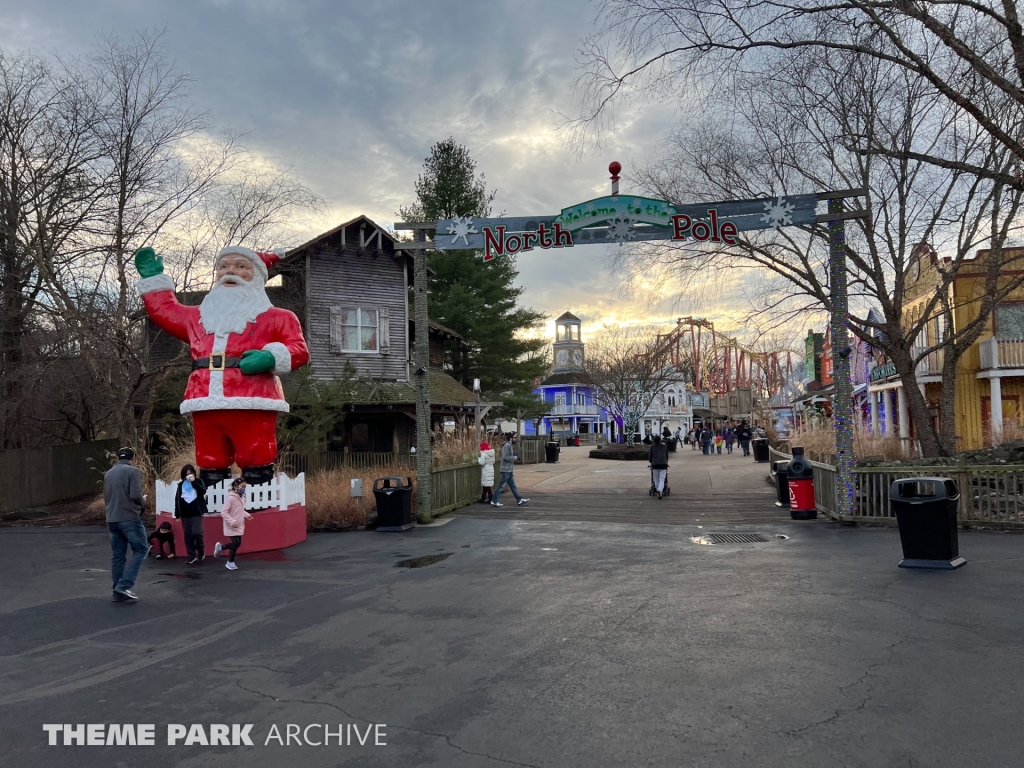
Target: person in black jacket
{"points": [[659, 463], [189, 507], [743, 434]]}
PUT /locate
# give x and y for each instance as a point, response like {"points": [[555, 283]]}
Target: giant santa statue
{"points": [[240, 343]]}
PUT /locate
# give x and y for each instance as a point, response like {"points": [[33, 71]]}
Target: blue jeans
{"points": [[705, 447], [506, 479], [122, 535], [745, 445]]}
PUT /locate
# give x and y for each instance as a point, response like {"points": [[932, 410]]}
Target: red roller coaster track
{"points": [[720, 363]]}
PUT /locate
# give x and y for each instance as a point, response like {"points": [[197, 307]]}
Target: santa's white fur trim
{"points": [[233, 404], [251, 255], [155, 283], [282, 357]]}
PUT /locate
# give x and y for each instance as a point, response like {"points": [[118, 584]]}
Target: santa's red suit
{"points": [[234, 414]]}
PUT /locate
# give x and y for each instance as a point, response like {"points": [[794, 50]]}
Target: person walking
{"points": [[706, 436], [487, 473], [694, 438], [234, 515], [659, 464], [124, 500], [189, 507], [730, 438], [743, 434], [719, 439], [508, 461]]}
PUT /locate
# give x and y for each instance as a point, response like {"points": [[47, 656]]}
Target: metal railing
{"points": [[1001, 353], [574, 409], [989, 495]]}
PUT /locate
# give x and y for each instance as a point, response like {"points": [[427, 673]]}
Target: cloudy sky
{"points": [[352, 95]]}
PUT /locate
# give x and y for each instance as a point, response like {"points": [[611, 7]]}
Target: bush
{"points": [[329, 502]]}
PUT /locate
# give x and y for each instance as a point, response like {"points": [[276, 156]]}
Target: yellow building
{"points": [[990, 375]]}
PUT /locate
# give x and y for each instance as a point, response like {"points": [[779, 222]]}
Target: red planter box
{"points": [[269, 529]]}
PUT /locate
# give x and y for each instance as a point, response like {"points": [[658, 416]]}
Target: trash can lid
{"points": [[920, 490], [782, 466], [392, 482]]}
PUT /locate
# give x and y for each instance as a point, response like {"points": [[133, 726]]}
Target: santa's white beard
{"points": [[229, 309]]}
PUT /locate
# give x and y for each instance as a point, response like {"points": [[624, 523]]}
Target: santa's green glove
{"points": [[148, 263], [256, 361]]}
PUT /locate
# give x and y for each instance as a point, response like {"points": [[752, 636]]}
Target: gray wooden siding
{"points": [[339, 278]]}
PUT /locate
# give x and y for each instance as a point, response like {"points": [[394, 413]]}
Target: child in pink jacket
{"points": [[234, 516]]}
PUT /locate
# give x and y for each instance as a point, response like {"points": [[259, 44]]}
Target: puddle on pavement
{"points": [[273, 556], [420, 562]]}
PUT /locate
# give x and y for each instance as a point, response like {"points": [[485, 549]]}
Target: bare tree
{"points": [[784, 137], [969, 54], [99, 157], [627, 368]]}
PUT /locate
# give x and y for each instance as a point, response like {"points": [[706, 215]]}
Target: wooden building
{"points": [[349, 288]]}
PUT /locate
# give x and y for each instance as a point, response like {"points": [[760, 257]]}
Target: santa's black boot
{"points": [[258, 475], [214, 476]]}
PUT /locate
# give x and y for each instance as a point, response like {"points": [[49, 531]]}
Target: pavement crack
{"points": [[446, 737], [863, 679]]}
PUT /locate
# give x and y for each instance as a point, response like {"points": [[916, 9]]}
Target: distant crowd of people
{"points": [[711, 441]]}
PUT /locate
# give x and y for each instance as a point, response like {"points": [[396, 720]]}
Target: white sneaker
{"points": [[231, 566], [523, 501], [497, 504], [216, 549]]}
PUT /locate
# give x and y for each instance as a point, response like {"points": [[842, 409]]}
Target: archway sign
{"points": [[626, 218]]}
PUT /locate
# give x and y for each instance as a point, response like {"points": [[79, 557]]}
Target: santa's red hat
{"points": [[261, 261]]}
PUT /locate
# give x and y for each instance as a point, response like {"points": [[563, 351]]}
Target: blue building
{"points": [[570, 407]]}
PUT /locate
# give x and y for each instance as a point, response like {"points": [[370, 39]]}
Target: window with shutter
{"points": [[354, 329], [385, 331]]}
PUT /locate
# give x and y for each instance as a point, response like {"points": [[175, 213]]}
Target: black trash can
{"points": [[760, 445], [671, 443], [393, 496], [551, 451], [925, 510], [782, 483]]}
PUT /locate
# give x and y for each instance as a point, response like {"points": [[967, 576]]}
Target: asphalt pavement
{"points": [[532, 643]]}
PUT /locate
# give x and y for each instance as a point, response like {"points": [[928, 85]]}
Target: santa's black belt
{"points": [[216, 363]]}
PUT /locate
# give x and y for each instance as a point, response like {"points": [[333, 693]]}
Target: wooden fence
{"points": [[325, 461], [453, 487], [34, 477], [530, 450], [990, 496]]}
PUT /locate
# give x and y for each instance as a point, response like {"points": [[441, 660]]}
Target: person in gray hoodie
{"points": [[508, 460], [124, 500]]}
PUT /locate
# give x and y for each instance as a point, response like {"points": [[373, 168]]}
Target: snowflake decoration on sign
{"points": [[621, 230], [778, 214], [461, 226]]}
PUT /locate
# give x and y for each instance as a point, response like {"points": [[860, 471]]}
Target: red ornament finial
{"points": [[613, 168]]}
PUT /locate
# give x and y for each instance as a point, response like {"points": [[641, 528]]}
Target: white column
{"points": [[873, 398], [889, 415], [904, 415], [995, 388]]}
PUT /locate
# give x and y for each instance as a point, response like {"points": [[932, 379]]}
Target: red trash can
{"points": [[801, 487]]}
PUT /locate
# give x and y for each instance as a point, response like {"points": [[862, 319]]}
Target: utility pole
{"points": [[421, 378]]}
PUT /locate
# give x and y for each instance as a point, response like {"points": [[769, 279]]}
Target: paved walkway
{"points": [[543, 644], [706, 490]]}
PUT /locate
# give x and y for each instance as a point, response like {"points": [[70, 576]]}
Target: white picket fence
{"points": [[281, 492]]}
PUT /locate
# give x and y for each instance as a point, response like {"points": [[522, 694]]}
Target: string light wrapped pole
{"points": [[842, 402]]}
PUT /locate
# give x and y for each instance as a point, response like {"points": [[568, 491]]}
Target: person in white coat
{"points": [[487, 474]]}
